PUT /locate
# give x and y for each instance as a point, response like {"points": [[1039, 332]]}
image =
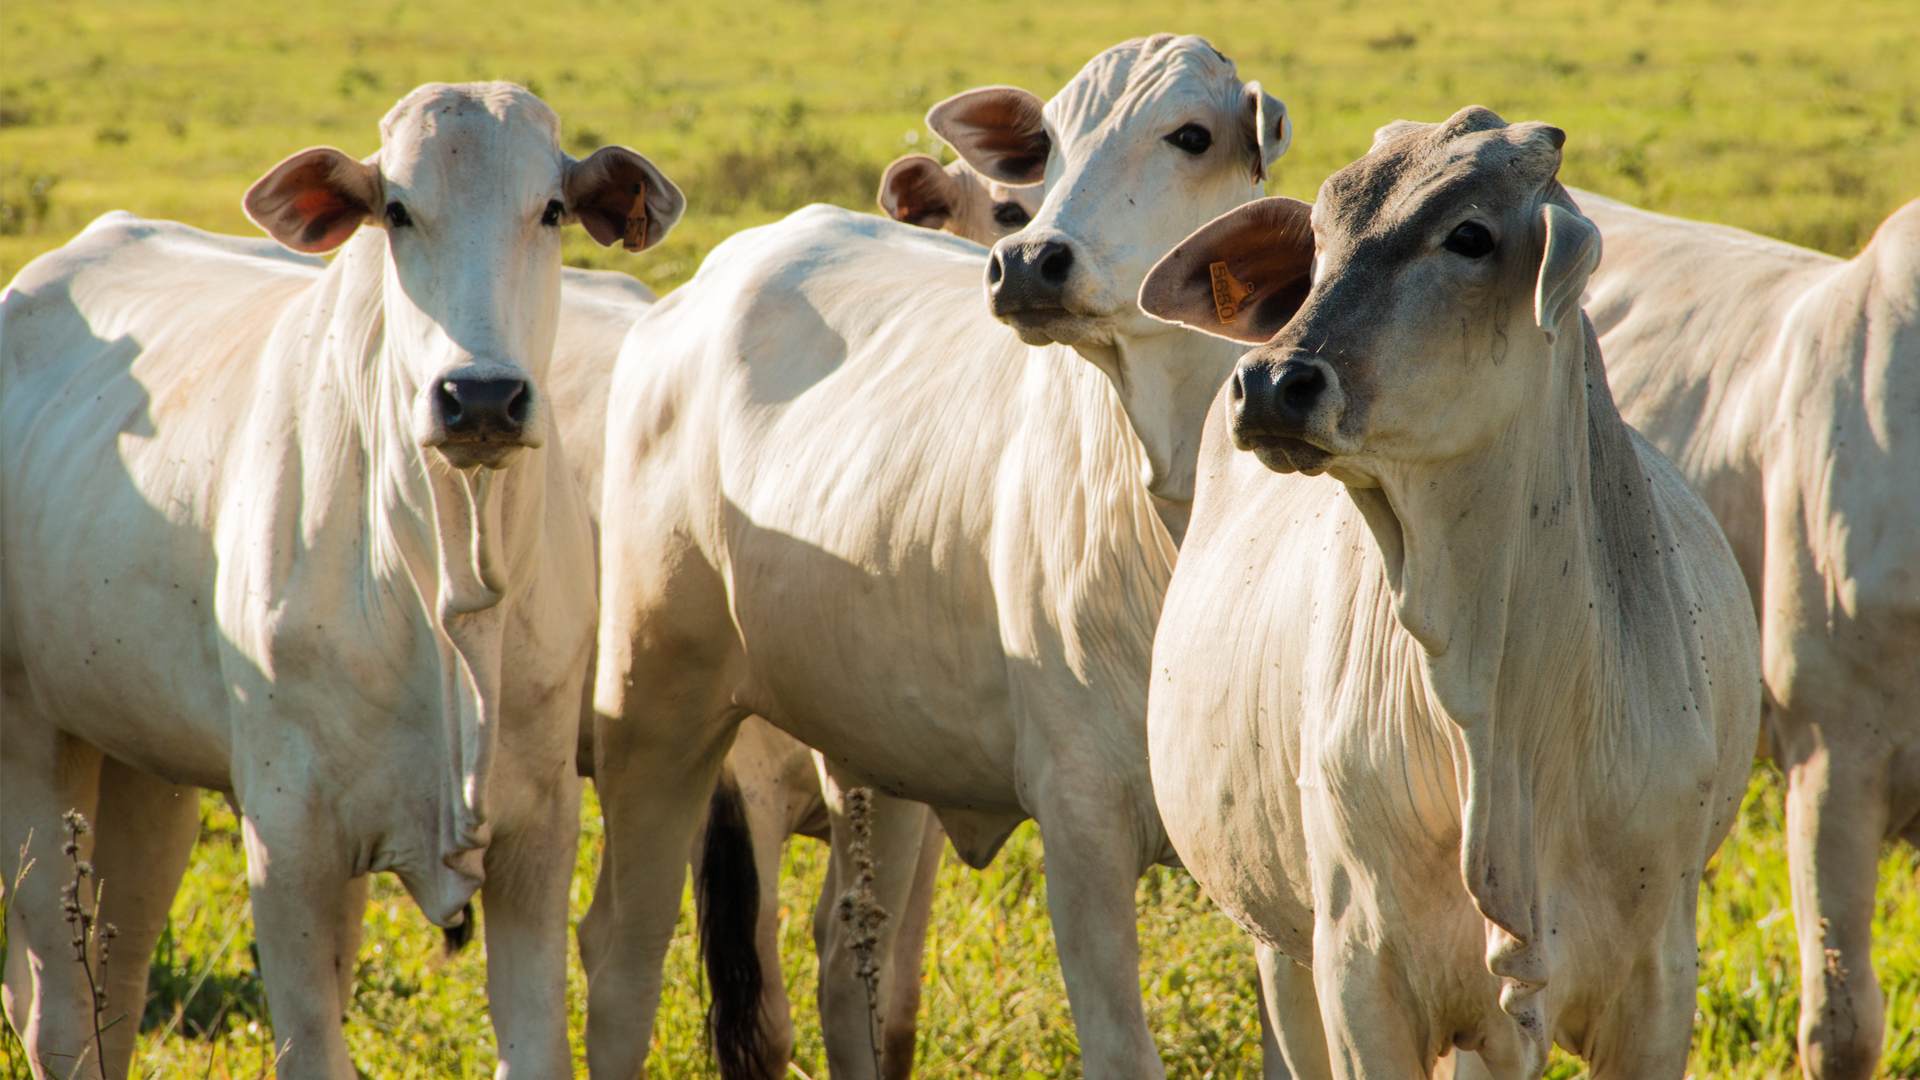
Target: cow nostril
{"points": [[994, 269], [1056, 263], [1300, 387], [519, 405], [446, 398], [1238, 387]]}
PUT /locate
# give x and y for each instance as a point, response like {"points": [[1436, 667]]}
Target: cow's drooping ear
{"points": [[1268, 127], [917, 191], [1241, 276], [621, 197], [998, 130], [313, 201], [1567, 260]]}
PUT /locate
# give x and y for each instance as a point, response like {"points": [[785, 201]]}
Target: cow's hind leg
{"points": [[44, 773], [1836, 819], [854, 1025], [900, 1038], [1293, 1043], [143, 842]]}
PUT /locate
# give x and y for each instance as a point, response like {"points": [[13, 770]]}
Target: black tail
{"points": [[455, 938], [726, 897]]}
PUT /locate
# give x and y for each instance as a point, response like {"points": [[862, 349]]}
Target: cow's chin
{"points": [[1285, 455], [1055, 326], [479, 455]]}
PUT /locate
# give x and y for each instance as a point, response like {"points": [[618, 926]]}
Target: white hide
{"points": [[1785, 384], [239, 555], [1456, 683], [841, 496]]}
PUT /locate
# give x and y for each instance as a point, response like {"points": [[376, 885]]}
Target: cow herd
{"points": [[1313, 547]]}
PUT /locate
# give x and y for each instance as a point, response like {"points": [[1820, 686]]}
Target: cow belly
{"points": [[110, 605], [912, 697]]}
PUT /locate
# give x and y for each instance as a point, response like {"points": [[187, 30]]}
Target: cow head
{"points": [[917, 191], [1394, 306], [472, 188], [1150, 140]]}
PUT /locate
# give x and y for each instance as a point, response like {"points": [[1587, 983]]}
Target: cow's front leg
{"points": [[299, 871], [1096, 838], [655, 771], [854, 1026], [524, 917], [1293, 1042], [1836, 819]]}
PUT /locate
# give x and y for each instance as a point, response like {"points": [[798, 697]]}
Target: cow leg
{"points": [[1094, 840], [44, 773], [768, 799], [1293, 1042], [524, 916], [655, 762], [1648, 1031], [349, 935], [1363, 1008], [143, 841], [855, 1030], [299, 874], [1836, 819], [901, 1036]]}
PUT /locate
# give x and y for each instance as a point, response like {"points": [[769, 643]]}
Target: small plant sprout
{"points": [[860, 910], [92, 940]]}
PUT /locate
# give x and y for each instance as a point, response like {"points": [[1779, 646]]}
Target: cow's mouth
{"points": [[1283, 454], [488, 453], [1049, 325]]}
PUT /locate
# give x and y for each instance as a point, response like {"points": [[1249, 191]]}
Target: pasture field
{"points": [[1793, 119]]}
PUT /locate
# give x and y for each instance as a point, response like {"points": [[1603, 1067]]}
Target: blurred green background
{"points": [[1794, 119]]}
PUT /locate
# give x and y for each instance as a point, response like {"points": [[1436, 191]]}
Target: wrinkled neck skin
{"points": [[441, 528], [1508, 621], [1167, 381]]}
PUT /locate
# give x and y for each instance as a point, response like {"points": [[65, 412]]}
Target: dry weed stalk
{"points": [[860, 910], [89, 935]]}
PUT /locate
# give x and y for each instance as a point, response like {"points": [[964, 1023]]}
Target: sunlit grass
{"points": [[1797, 120]]}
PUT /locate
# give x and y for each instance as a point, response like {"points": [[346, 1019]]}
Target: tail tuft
{"points": [[727, 901], [455, 938]]}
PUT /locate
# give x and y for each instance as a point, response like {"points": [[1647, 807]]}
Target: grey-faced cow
{"points": [[1785, 384], [841, 496], [1456, 687], [271, 529]]}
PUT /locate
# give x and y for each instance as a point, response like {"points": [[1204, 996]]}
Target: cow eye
{"points": [[1192, 138], [1011, 215], [1470, 239], [554, 213], [397, 216]]}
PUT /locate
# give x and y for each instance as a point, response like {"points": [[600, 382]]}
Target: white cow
{"points": [[916, 190], [784, 788], [273, 529], [1786, 386], [1459, 731], [840, 496]]}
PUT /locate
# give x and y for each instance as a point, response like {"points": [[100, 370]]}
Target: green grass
{"points": [[1793, 119]]}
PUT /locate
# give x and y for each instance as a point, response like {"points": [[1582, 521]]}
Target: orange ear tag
{"points": [[1227, 292], [636, 234]]}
